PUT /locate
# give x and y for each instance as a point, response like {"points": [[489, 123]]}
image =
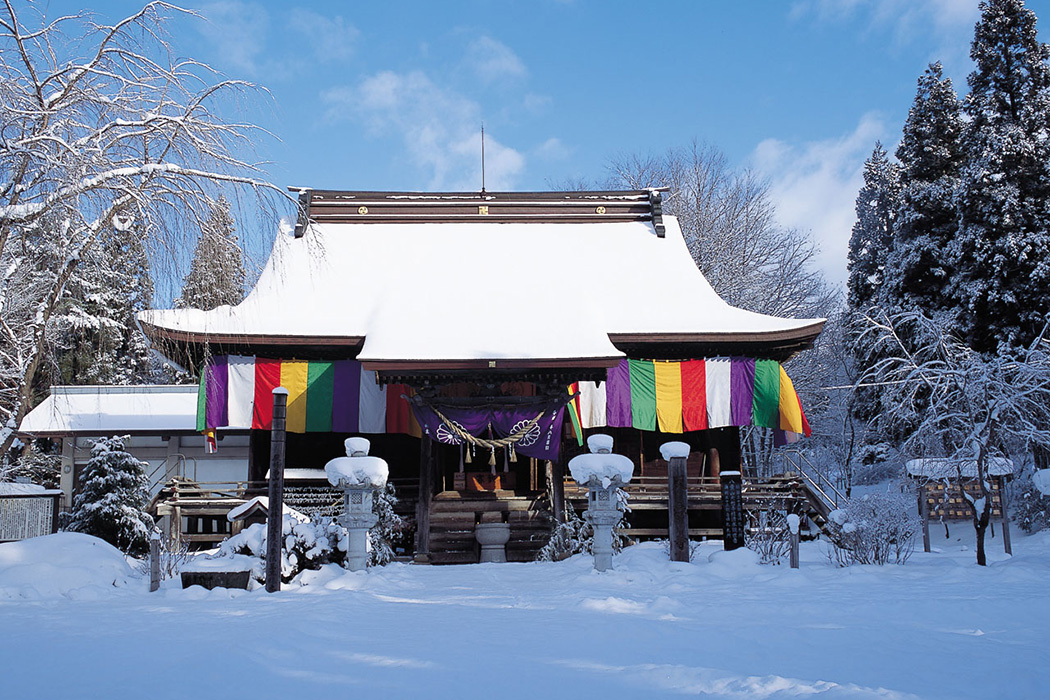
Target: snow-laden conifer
{"points": [[1002, 250], [930, 157], [94, 336], [871, 238], [113, 497], [217, 274]]}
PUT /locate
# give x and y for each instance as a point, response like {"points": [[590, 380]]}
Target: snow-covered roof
{"points": [[112, 410], [11, 488], [480, 291], [942, 468], [263, 503]]}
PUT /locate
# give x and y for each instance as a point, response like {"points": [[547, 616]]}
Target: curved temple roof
{"points": [[442, 293]]}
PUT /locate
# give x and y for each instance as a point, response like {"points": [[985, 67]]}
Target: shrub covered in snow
{"points": [[1030, 509], [873, 529], [114, 495], [307, 545], [876, 463], [576, 536], [389, 531], [769, 537]]}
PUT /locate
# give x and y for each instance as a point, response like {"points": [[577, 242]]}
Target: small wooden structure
{"points": [[946, 486]]}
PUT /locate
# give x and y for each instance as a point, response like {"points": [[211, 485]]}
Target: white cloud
{"points": [[553, 149], [440, 128], [944, 26], [814, 186], [237, 31], [494, 61], [330, 38]]}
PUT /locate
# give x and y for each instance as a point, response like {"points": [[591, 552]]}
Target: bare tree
{"points": [[729, 224], [961, 404], [103, 130]]}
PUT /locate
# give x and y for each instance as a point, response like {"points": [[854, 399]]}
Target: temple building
{"points": [[476, 339]]}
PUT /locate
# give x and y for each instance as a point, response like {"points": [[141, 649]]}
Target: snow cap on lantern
{"points": [[670, 450], [357, 446], [600, 443], [601, 465]]}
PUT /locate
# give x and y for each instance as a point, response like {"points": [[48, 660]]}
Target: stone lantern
{"points": [[359, 476], [601, 472]]}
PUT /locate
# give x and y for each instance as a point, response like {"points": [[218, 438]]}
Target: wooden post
{"points": [[558, 490], [732, 502], [154, 561], [678, 509], [426, 497], [275, 510], [1005, 520], [924, 514], [794, 535]]}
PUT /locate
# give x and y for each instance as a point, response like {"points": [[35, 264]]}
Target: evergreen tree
{"points": [[870, 242], [94, 333], [930, 157], [114, 494], [217, 273], [1002, 251], [869, 249]]}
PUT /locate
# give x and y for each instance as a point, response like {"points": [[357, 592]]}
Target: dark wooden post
{"points": [[426, 496], [678, 509], [1005, 519], [275, 509], [924, 515], [154, 561], [732, 502], [558, 489]]}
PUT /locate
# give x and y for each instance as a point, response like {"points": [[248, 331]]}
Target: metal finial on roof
{"points": [[483, 157]]}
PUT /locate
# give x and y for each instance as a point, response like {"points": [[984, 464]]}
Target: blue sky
{"points": [[391, 95]]}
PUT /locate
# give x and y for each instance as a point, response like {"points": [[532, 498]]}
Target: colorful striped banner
{"points": [[237, 392], [696, 395], [674, 397]]}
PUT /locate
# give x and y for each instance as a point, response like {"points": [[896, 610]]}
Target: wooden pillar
{"points": [[558, 489], [1005, 519], [426, 497], [678, 509], [724, 457], [154, 561], [924, 515], [275, 508]]}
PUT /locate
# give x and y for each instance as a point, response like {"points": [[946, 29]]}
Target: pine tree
{"points": [[870, 242], [114, 494], [869, 249], [217, 274], [1002, 251], [930, 157], [95, 336]]}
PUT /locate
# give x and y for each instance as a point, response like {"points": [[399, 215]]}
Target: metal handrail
{"points": [[823, 486]]}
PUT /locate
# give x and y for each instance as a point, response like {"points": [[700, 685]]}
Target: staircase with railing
{"points": [[824, 493]]}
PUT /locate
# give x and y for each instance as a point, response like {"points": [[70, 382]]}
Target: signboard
{"points": [[25, 516]]}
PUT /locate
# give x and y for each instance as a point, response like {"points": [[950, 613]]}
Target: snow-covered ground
{"points": [[84, 626]]}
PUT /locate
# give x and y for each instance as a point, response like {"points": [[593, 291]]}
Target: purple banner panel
{"points": [[542, 440], [618, 396], [346, 390], [216, 386], [742, 390]]}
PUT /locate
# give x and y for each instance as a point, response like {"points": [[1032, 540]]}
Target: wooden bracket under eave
{"points": [[303, 219], [656, 203]]}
